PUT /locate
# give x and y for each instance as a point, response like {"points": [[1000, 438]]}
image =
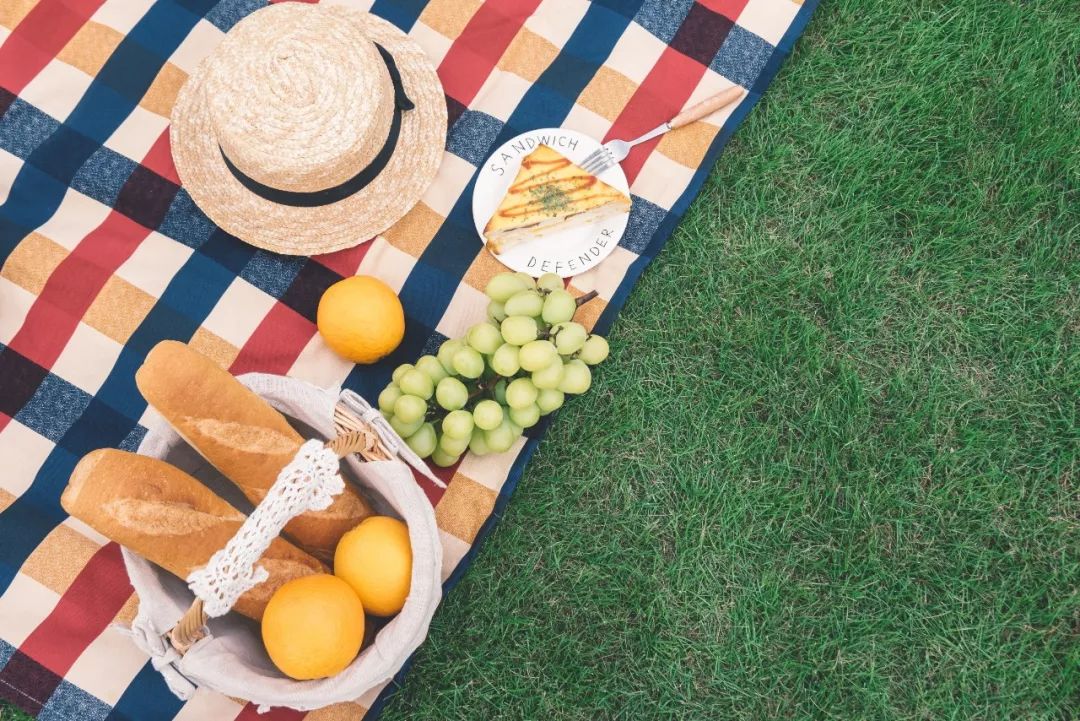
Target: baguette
{"points": [[171, 519], [240, 435]]}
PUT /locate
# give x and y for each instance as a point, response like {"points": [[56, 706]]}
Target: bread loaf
{"points": [[171, 519], [241, 435]]}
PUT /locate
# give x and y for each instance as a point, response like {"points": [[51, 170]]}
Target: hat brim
{"points": [[311, 231]]}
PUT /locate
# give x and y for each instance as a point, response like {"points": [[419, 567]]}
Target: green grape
{"points": [[549, 377], [526, 417], [441, 458], [516, 429], [519, 329], [389, 397], [484, 337], [520, 393], [487, 415], [500, 438], [454, 446], [500, 392], [451, 394], [447, 352], [423, 441], [478, 444], [400, 371], [595, 350], [405, 429], [569, 337], [559, 307], [527, 279], [576, 378], [386, 415], [537, 354], [548, 400], [504, 285], [410, 409], [417, 383], [458, 424], [469, 363], [527, 302], [549, 281], [505, 361], [496, 311], [430, 364]]}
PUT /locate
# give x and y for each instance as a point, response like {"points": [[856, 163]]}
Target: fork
{"points": [[615, 151]]}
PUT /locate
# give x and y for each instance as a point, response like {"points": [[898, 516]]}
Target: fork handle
{"points": [[706, 107]]}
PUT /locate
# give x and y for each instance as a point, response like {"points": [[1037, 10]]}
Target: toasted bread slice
{"points": [[550, 193]]}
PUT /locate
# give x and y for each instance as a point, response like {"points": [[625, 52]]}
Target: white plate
{"points": [[568, 252]]}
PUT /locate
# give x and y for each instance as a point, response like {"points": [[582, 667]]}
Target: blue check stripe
{"points": [[35, 195], [111, 97]]}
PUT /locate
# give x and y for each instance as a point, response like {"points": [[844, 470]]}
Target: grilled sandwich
{"points": [[549, 194]]}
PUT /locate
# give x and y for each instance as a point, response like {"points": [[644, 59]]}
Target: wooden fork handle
{"points": [[706, 107]]}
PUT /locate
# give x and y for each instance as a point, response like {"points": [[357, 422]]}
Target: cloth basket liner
{"points": [[231, 659]]}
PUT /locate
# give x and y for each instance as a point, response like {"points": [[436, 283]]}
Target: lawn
{"points": [[831, 468]]}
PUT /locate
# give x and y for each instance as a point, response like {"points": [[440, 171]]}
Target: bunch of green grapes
{"points": [[482, 391]]}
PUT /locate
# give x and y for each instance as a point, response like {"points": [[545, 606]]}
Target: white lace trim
{"points": [[309, 482]]}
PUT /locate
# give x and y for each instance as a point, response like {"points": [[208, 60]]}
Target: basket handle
{"points": [[309, 482]]}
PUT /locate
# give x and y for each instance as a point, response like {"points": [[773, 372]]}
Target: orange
{"points": [[361, 318], [375, 558], [313, 626]]}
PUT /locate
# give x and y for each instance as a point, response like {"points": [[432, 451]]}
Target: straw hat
{"points": [[310, 128]]}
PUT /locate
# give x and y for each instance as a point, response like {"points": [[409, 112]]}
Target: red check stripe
{"points": [[39, 37], [662, 94], [281, 336], [476, 51], [276, 342], [73, 286], [89, 605]]}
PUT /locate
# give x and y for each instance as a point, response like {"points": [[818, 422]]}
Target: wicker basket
{"points": [[226, 654]]}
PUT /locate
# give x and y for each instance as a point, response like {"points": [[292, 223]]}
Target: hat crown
{"points": [[299, 97]]}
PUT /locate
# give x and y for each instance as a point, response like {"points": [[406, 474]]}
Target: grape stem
{"points": [[582, 300]]}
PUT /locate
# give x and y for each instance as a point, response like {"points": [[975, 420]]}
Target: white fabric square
{"points": [[202, 39], [236, 316], [138, 133], [107, 666], [23, 607], [77, 216], [434, 43], [15, 302], [454, 174], [586, 121], [636, 53], [768, 19], [467, 308], [491, 470], [453, 550], [661, 180], [387, 263], [87, 358], [24, 452], [154, 263], [501, 94], [556, 20], [319, 365], [121, 14], [9, 168], [57, 89]]}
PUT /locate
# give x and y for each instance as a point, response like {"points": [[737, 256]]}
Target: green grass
{"points": [[831, 468]]}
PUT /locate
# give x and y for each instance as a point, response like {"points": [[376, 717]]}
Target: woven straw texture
{"points": [[104, 254], [305, 111]]}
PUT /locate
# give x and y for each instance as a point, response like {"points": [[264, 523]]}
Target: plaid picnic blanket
{"points": [[104, 254]]}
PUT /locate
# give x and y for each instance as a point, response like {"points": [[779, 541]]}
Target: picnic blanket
{"points": [[104, 254]]}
